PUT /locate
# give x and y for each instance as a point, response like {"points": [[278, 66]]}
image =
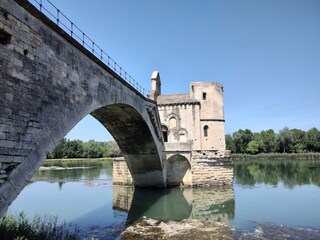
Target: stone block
{"points": [[3, 175], [6, 144]]}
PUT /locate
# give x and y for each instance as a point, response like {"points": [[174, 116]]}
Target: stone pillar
{"points": [[121, 174], [155, 85]]}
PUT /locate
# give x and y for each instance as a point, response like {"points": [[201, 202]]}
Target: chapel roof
{"points": [[175, 99]]}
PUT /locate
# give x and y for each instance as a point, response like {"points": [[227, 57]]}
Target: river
{"points": [[282, 193]]}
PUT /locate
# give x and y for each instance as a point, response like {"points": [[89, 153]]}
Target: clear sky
{"points": [[266, 53]]}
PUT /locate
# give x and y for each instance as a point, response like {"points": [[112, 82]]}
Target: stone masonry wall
{"points": [[121, 174], [48, 83], [209, 169]]}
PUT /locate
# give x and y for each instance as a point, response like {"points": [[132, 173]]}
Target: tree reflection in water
{"points": [[291, 173]]}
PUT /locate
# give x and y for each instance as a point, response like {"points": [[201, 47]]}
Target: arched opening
{"points": [[132, 134], [132, 139], [176, 169], [164, 133], [89, 129], [205, 131], [172, 122]]}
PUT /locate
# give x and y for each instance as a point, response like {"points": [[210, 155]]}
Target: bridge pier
{"points": [[187, 169]]}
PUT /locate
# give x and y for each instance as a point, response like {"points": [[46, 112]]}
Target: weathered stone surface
{"points": [[48, 83], [190, 229], [200, 170]]}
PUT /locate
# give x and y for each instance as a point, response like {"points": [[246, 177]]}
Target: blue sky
{"points": [[266, 53]]}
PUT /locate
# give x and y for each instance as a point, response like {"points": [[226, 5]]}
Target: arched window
{"points": [[172, 122], [205, 131], [165, 133]]}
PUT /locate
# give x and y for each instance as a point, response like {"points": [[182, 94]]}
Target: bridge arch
{"points": [[134, 137], [49, 86], [177, 170]]}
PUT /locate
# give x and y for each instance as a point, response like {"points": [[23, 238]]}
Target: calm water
{"points": [[282, 193]]}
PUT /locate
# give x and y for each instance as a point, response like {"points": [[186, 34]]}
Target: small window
{"points": [[204, 96], [205, 131], [165, 133]]}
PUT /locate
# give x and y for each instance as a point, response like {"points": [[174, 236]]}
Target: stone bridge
{"points": [[48, 83]]}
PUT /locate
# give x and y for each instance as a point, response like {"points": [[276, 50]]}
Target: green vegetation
{"points": [[276, 156], [20, 228], [285, 141], [79, 149]]}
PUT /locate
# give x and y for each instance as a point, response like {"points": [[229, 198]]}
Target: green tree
{"points": [[299, 140], [59, 150], [313, 140], [93, 149], [73, 149], [253, 147], [285, 140], [230, 143], [241, 139], [112, 149], [267, 141]]}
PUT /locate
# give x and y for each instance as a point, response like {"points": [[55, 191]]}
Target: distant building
{"points": [[193, 121]]}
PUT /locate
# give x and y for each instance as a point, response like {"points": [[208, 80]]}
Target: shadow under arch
{"points": [[176, 168], [162, 204], [133, 136]]}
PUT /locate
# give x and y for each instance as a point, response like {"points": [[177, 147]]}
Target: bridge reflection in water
{"points": [[214, 203]]}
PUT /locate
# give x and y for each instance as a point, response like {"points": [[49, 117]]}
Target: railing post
{"points": [[71, 29], [77, 36], [58, 13]]}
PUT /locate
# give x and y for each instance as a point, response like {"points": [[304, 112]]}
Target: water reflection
{"points": [[215, 203], [75, 170], [291, 173], [83, 196]]}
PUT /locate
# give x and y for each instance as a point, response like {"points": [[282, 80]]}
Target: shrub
{"points": [[21, 228]]}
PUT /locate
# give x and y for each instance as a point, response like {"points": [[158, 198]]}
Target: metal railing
{"points": [[58, 17]]}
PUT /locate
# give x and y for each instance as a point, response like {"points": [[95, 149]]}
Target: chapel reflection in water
{"points": [[208, 203]]}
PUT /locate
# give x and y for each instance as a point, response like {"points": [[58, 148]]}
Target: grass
{"points": [[21, 228]]}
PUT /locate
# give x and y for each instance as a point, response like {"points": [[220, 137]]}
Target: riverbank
{"points": [[50, 162], [276, 156], [47, 228], [149, 229]]}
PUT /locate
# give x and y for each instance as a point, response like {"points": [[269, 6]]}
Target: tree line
{"points": [[285, 141], [79, 149]]}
